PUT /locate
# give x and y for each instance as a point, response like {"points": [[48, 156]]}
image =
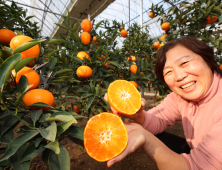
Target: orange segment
{"points": [[124, 97], [105, 136]]}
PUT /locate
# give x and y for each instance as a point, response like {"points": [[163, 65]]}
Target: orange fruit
{"points": [[14, 76], [151, 58], [76, 109], [162, 44], [149, 82], [165, 26], [134, 83], [94, 38], [83, 54], [129, 59], [6, 35], [102, 58], [107, 140], [163, 36], [133, 68], [31, 75], [38, 95], [124, 97], [133, 58], [151, 15], [123, 33], [21, 39], [85, 38], [156, 45], [211, 20], [120, 28], [220, 66], [107, 64], [84, 72], [86, 25]]}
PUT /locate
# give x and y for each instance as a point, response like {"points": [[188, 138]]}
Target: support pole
{"points": [[129, 28], [141, 15], [88, 11]]}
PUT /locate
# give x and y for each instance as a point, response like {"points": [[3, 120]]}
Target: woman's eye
{"points": [[184, 63], [167, 72]]}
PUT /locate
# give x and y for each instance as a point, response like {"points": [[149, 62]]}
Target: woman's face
{"points": [[186, 73]]}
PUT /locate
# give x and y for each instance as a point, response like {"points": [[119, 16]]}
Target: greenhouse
{"points": [[110, 84]]}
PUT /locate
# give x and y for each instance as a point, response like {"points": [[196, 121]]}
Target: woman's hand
{"points": [[138, 117], [136, 139]]}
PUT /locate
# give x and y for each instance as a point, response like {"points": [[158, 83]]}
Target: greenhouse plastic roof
{"points": [[49, 12]]}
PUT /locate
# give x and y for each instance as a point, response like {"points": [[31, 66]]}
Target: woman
{"points": [[188, 67]]}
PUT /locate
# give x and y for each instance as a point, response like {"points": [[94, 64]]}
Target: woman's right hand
{"points": [[138, 117]]}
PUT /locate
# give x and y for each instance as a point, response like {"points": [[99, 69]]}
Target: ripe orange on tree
{"points": [[83, 54], [211, 20], [85, 38], [6, 35], [149, 82], [151, 15], [163, 36], [86, 25], [120, 28], [151, 58], [38, 95], [107, 140], [31, 75], [123, 33], [220, 66], [156, 45], [76, 109], [84, 72], [134, 83], [21, 39], [124, 97], [102, 58], [162, 44], [94, 38], [133, 68], [129, 59], [107, 64], [133, 58], [165, 26]]}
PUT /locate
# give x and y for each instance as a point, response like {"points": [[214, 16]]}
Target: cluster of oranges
{"points": [[86, 26], [33, 95]]}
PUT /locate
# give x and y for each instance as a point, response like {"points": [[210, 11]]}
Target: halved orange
{"points": [[105, 136], [124, 97]]}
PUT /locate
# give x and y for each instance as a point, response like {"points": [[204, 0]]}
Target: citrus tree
{"points": [[32, 120]]}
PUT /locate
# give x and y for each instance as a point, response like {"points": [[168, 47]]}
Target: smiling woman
{"points": [[190, 70]]}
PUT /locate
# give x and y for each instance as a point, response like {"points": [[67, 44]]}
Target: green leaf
{"points": [[59, 161], [53, 61], [98, 24], [27, 45], [60, 116], [50, 132], [18, 32], [31, 152], [45, 155], [6, 68], [35, 114], [23, 63], [54, 146], [10, 122], [75, 26], [22, 93], [62, 127], [63, 71], [14, 160], [75, 132], [55, 40], [53, 52], [97, 89], [86, 95], [114, 63], [90, 100], [23, 81], [8, 136], [62, 26], [71, 97], [4, 115], [92, 87], [16, 143], [39, 104]]}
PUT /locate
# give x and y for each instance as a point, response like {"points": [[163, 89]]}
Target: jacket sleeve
{"points": [[207, 155], [165, 114]]}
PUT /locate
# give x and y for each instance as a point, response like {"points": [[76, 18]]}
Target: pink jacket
{"points": [[202, 124]]}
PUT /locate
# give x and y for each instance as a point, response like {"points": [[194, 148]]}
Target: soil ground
{"points": [[81, 161]]}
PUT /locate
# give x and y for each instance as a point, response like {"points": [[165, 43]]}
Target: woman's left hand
{"points": [[136, 139]]}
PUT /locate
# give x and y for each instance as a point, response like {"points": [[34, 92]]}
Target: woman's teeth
{"points": [[188, 85]]}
